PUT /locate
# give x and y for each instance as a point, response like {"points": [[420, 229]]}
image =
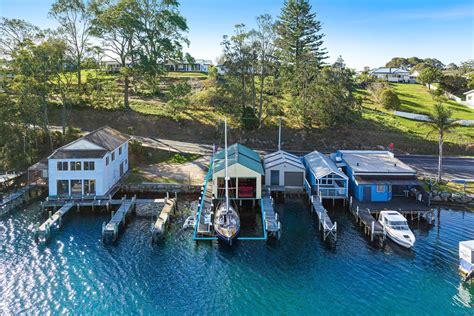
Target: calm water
{"points": [[76, 273]]}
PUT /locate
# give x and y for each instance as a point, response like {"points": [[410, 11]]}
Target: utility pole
{"points": [[279, 135]]}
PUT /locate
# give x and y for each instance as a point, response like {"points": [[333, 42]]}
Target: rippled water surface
{"points": [[76, 273]]}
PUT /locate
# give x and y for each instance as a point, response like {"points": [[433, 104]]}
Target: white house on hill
{"points": [[393, 75], [469, 97], [90, 165]]}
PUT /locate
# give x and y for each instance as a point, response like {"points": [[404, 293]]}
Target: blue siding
{"points": [[357, 191]]}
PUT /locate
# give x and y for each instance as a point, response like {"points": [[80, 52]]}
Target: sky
{"points": [[363, 32]]}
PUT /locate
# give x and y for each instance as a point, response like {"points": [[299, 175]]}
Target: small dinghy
{"points": [[396, 228], [191, 220]]}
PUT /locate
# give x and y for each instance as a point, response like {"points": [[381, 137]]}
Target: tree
{"points": [[74, 18], [398, 62], [389, 99], [429, 75], [238, 62], [299, 41], [114, 24], [265, 37], [435, 63], [159, 36], [441, 122], [454, 84], [178, 97], [13, 32], [331, 101]]}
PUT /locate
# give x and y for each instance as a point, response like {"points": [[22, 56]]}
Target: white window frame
{"points": [[380, 190]]}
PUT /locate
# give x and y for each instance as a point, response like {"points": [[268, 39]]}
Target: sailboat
{"points": [[226, 218]]}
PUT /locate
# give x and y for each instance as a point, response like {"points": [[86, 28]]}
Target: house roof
{"points": [[240, 154], [94, 145], [374, 162], [282, 157], [469, 92], [321, 166], [385, 70], [387, 179], [72, 154]]}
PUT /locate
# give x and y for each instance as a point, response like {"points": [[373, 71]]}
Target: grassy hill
{"points": [[198, 123]]}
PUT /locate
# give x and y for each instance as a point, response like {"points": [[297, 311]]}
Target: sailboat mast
{"points": [[226, 175]]}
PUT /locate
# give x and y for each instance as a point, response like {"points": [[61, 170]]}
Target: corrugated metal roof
{"points": [[105, 137], [321, 166], [240, 154], [387, 70], [280, 157], [79, 154], [374, 162]]}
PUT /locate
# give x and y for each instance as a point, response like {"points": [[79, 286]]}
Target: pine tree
{"points": [[299, 35]]}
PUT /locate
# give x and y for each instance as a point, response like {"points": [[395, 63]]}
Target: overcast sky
{"points": [[364, 32]]}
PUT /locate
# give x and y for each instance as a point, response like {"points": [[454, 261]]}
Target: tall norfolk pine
{"points": [[299, 36]]}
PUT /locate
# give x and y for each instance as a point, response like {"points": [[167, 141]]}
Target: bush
{"points": [[389, 100], [249, 119], [376, 88]]}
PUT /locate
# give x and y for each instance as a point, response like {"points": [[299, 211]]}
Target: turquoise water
{"points": [[76, 273]]}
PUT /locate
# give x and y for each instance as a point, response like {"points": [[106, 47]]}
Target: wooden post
{"points": [[372, 231]]}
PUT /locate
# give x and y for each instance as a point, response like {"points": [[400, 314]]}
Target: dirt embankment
{"points": [[363, 135]]}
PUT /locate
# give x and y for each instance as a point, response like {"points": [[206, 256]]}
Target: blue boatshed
{"points": [[375, 176], [324, 178]]}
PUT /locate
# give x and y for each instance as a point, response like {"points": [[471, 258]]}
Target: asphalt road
{"points": [[453, 167]]}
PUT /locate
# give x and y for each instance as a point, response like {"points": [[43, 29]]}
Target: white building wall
{"points": [[54, 174], [105, 176], [282, 168], [470, 98]]}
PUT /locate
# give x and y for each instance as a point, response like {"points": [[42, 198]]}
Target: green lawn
{"points": [[415, 98], [138, 176], [199, 75]]}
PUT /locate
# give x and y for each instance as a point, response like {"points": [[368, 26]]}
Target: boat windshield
{"points": [[398, 225]]}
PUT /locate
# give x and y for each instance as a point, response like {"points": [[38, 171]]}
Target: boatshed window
{"points": [[75, 165], [120, 150], [62, 165], [106, 161], [380, 188], [63, 187], [113, 156], [89, 165]]}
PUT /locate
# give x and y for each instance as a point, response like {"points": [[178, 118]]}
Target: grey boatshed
{"points": [[284, 170]]}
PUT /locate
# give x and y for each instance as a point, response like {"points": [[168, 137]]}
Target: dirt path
{"points": [[193, 172]]}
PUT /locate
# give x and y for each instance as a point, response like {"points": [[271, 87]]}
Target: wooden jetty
{"points": [[324, 221], [158, 229], [43, 232], [19, 197], [367, 213], [111, 229], [271, 223], [371, 226], [203, 227], [328, 228]]}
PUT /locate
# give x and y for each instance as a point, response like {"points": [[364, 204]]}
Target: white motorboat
{"points": [[396, 228]]}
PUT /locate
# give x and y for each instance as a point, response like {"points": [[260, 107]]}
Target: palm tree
{"points": [[440, 121]]}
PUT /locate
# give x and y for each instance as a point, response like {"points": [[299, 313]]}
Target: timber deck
{"points": [[328, 227], [12, 200]]}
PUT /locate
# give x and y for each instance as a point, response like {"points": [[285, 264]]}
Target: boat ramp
{"points": [[271, 222]]}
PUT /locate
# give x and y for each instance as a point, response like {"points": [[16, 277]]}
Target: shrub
{"points": [[389, 100], [249, 119]]}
